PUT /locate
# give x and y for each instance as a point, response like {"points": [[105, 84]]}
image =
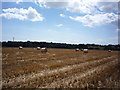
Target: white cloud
{"points": [[108, 7], [41, 3], [18, 1], [93, 6], [62, 15], [59, 25], [89, 8], [22, 14], [81, 6], [96, 12], [70, 5], [97, 19], [50, 3]]}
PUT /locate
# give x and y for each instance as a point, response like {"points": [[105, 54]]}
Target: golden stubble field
{"points": [[59, 68]]}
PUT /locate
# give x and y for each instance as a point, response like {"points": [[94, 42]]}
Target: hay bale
{"points": [[44, 50], [85, 50], [20, 47], [109, 50], [38, 48], [77, 49]]}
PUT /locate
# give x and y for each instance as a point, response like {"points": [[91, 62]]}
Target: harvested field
{"points": [[59, 68]]}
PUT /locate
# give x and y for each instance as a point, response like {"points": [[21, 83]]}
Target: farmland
{"points": [[59, 68]]}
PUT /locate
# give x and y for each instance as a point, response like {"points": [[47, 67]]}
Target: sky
{"points": [[61, 21]]}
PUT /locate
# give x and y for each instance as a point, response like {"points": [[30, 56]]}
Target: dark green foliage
{"points": [[60, 45]]}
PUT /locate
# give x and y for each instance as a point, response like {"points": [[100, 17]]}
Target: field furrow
{"points": [[72, 80], [59, 68], [53, 74]]}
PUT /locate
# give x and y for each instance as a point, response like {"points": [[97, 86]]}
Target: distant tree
{"points": [[60, 45]]}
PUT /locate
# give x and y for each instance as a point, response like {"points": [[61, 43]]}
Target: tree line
{"points": [[30, 44]]}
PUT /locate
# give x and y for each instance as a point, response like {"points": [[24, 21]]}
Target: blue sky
{"points": [[72, 22]]}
